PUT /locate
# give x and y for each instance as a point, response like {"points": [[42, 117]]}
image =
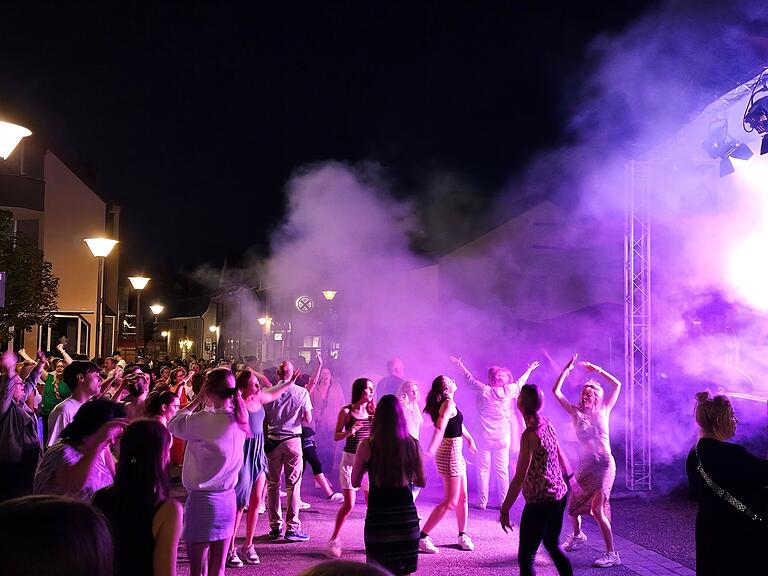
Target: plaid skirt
{"points": [[449, 458], [596, 473]]}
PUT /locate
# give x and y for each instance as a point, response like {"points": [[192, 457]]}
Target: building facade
{"points": [[56, 209]]}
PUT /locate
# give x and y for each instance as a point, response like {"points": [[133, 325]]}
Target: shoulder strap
{"points": [[722, 493]]}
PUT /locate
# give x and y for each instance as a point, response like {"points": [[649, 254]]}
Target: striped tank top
{"points": [[364, 432]]}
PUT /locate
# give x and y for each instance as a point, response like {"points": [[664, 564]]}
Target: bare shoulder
{"points": [[169, 512]]}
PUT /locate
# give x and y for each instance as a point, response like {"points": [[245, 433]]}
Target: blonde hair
{"points": [[711, 411], [404, 385], [494, 371], [594, 385]]}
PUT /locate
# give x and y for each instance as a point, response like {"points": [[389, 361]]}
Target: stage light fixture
{"points": [[721, 145], [756, 118]]}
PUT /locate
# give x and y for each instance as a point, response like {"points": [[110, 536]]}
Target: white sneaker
{"points": [[607, 560], [233, 560], [336, 497], [426, 546], [574, 541], [465, 542], [334, 548], [249, 555], [304, 505]]}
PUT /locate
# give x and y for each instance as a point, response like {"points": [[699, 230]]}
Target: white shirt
{"points": [[60, 416], [285, 415], [214, 448]]}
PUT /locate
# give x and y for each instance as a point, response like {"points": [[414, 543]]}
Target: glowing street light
{"points": [[329, 294], [156, 309], [215, 330], [138, 283], [264, 320], [100, 248], [10, 136]]}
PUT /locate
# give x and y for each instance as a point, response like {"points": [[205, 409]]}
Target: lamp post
{"points": [[329, 295], [138, 283], [156, 309], [215, 330], [165, 334], [185, 345], [100, 248], [10, 136]]}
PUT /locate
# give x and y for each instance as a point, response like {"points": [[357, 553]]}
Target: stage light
{"points": [[721, 145], [756, 118]]}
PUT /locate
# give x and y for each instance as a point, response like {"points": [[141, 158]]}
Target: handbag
{"points": [[740, 506]]}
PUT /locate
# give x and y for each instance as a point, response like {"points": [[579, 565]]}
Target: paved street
{"points": [[654, 536]]}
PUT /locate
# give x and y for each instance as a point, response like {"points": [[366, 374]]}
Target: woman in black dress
{"points": [[391, 458], [729, 536]]}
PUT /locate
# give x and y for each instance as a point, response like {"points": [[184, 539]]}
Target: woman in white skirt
{"points": [[446, 446], [214, 455]]}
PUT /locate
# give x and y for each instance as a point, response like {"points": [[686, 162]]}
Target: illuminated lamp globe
{"points": [[138, 282], [329, 294], [100, 247], [157, 309], [10, 136], [213, 329], [164, 334]]}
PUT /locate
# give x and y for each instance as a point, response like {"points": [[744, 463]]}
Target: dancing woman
{"points": [[541, 473], [391, 457], [597, 468], [449, 436], [252, 477], [499, 426], [214, 455], [353, 426]]}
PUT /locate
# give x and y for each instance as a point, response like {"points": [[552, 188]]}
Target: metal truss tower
{"points": [[637, 325]]}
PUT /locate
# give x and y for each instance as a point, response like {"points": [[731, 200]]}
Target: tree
{"points": [[31, 289]]}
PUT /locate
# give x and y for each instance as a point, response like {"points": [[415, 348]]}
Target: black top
{"points": [[454, 427], [727, 540], [131, 528]]}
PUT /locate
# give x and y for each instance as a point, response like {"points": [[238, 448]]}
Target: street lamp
{"points": [[10, 136], [215, 330], [138, 283], [329, 294], [100, 248], [156, 309], [166, 336]]}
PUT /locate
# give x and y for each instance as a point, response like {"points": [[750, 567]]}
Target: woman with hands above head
{"points": [[498, 424], [542, 474], [597, 468], [446, 445], [19, 443], [214, 455]]}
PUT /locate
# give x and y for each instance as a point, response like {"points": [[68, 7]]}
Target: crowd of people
{"points": [[104, 435]]}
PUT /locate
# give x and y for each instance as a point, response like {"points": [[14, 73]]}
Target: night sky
{"points": [[192, 116]]}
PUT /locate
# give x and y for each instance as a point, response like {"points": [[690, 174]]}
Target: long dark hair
{"points": [[157, 399], [437, 394], [358, 387], [142, 471], [394, 453]]}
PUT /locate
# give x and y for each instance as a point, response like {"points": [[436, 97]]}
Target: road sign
{"points": [[304, 304]]}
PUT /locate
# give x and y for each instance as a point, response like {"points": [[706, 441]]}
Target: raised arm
{"points": [[8, 379], [74, 477], [25, 356], [67, 358], [527, 374], [471, 380], [267, 395], [557, 388], [315, 376], [447, 410], [612, 394]]}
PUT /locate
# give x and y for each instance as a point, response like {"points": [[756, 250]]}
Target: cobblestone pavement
{"points": [[636, 519]]}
